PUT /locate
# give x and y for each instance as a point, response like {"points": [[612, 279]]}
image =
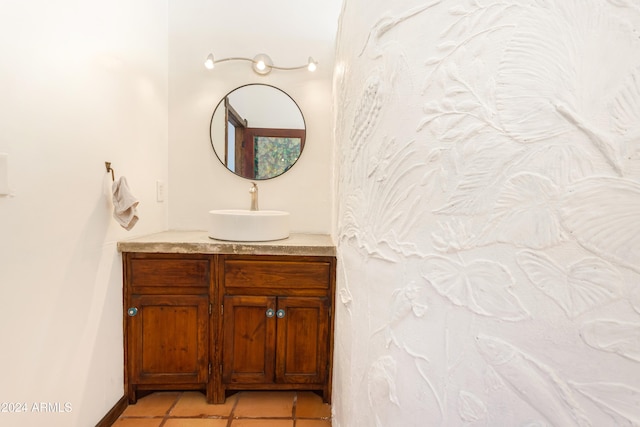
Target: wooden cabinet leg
{"points": [[131, 395], [218, 393], [326, 395], [214, 394]]}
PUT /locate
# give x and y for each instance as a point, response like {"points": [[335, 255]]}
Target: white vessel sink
{"points": [[248, 226]]}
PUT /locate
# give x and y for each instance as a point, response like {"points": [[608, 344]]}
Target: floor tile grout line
{"points": [[294, 409], [141, 417], [166, 415], [259, 419], [233, 409]]}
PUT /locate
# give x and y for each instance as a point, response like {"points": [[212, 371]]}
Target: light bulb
{"points": [[312, 65], [209, 63], [262, 64]]}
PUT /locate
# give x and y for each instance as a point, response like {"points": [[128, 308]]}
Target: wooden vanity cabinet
{"points": [[221, 323], [262, 348], [167, 322], [276, 323]]}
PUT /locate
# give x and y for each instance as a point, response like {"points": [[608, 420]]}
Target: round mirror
{"points": [[257, 131]]}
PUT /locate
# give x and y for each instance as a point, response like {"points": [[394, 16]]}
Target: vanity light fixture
{"points": [[261, 63]]}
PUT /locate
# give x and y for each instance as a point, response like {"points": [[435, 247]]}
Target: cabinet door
{"points": [[249, 339], [302, 340], [168, 339]]}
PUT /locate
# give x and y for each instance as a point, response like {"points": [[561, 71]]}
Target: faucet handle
{"points": [[254, 196]]}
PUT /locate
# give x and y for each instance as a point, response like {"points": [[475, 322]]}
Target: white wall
{"points": [[289, 31], [81, 83], [489, 213], [266, 107]]}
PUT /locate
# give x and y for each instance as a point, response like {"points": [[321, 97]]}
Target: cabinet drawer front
{"points": [[169, 271], [277, 274]]}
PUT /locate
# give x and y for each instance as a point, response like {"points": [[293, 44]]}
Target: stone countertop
{"points": [[190, 242]]}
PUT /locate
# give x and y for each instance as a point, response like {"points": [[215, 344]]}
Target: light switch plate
{"points": [[4, 174], [160, 191]]}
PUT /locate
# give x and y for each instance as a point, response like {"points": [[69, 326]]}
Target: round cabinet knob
{"points": [[270, 312], [280, 313], [132, 311]]}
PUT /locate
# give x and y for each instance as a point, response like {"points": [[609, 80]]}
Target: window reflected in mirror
{"points": [[258, 132], [274, 155]]}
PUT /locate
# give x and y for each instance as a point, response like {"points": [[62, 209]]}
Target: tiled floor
{"points": [[243, 409]]}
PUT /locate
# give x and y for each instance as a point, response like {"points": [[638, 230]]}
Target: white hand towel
{"points": [[124, 204]]}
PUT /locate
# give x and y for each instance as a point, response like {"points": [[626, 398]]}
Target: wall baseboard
{"points": [[114, 413]]}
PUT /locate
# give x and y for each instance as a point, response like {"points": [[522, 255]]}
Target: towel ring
{"points": [[109, 169]]}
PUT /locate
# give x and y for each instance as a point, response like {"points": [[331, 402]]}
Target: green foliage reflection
{"points": [[274, 155]]}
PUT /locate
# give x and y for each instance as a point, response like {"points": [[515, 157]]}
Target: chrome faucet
{"points": [[254, 196]]}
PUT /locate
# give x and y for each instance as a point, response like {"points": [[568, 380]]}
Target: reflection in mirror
{"points": [[257, 131]]}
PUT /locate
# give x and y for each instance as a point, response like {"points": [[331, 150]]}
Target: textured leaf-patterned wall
{"points": [[489, 213]]}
